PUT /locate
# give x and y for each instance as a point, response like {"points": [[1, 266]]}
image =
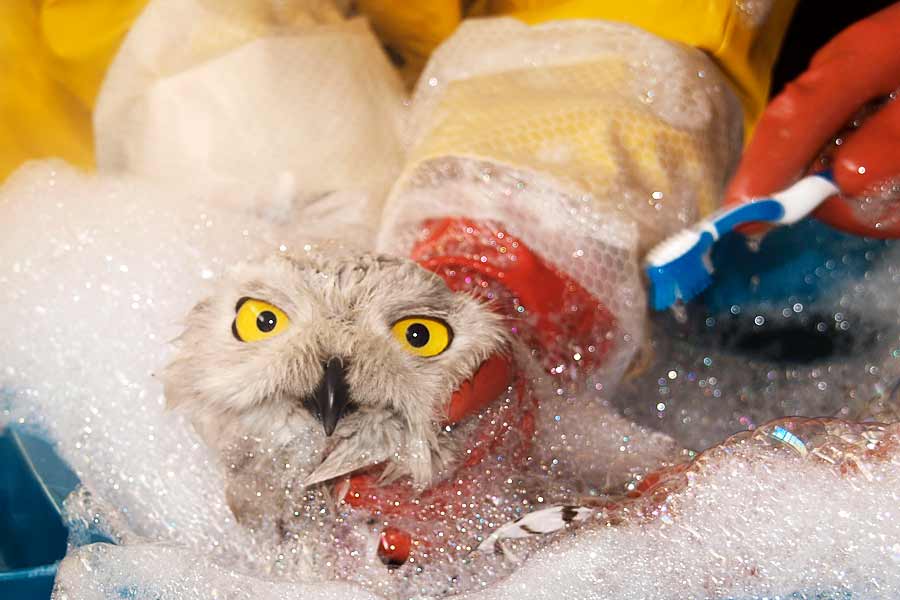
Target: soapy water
{"points": [[715, 375], [745, 527], [97, 273]]}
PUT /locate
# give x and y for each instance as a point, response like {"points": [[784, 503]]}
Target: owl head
{"points": [[357, 356]]}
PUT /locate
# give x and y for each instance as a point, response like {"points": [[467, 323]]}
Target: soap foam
{"points": [[97, 272]]}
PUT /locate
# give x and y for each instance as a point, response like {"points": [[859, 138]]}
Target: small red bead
{"points": [[394, 547]]}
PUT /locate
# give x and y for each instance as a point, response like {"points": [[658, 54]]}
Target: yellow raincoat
{"points": [[54, 53]]}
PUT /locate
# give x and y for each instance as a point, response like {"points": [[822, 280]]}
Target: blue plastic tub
{"points": [[33, 484]]}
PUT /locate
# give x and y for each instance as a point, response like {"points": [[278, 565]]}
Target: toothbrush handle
{"points": [[805, 196], [763, 209], [785, 207]]}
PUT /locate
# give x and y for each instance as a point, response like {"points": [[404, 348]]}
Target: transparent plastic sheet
{"points": [[646, 128], [588, 140], [237, 90], [603, 255]]}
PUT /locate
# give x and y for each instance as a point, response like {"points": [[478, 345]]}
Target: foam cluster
{"points": [[97, 272]]}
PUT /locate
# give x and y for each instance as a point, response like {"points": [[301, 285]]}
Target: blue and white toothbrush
{"points": [[679, 267]]}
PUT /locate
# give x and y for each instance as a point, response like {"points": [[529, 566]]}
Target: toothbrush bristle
{"points": [[672, 247], [685, 272]]}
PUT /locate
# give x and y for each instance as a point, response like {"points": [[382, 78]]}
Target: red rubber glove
{"points": [[556, 316], [858, 66]]}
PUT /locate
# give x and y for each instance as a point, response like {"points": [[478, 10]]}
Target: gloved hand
{"points": [[858, 66], [555, 315]]}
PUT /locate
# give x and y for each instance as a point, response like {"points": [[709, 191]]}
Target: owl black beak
{"points": [[332, 396]]}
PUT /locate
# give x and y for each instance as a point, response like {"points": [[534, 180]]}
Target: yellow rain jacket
{"points": [[54, 53]]}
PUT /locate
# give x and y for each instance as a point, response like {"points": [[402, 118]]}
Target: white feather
{"points": [[540, 522]]}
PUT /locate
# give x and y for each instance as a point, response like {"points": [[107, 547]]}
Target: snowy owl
{"points": [[355, 359]]}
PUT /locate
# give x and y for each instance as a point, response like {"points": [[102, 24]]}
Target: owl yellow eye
{"points": [[422, 336], [257, 320]]}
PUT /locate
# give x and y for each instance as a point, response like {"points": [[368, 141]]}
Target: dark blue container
{"points": [[33, 484], [800, 263]]}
